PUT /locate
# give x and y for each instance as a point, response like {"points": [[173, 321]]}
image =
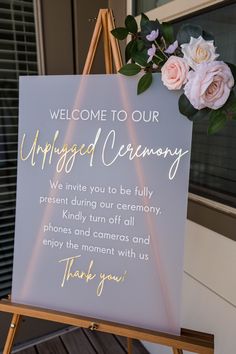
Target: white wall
{"points": [[209, 288]]}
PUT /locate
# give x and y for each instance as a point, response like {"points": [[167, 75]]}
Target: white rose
{"points": [[198, 51]]}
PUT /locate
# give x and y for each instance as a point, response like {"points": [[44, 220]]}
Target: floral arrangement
{"points": [[189, 62]]}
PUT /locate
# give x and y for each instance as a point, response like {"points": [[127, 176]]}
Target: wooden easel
{"points": [[104, 21], [192, 341]]}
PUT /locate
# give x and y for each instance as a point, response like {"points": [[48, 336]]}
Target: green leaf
{"points": [[141, 58], [130, 50], [230, 107], [233, 70], [144, 19], [201, 114], [186, 108], [148, 27], [144, 83], [157, 61], [230, 104], [168, 32], [217, 121], [130, 69], [160, 55], [187, 31], [140, 45], [131, 24], [120, 33], [207, 36]]}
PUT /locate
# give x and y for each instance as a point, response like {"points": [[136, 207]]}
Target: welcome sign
{"points": [[101, 199]]}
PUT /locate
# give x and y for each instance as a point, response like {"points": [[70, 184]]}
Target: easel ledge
{"points": [[192, 341]]}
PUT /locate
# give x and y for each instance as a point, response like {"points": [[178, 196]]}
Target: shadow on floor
{"points": [[82, 341]]}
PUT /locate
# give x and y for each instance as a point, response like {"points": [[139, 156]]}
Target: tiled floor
{"points": [[82, 341]]}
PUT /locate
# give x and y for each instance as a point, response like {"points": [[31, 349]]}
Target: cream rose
{"points": [[210, 85], [174, 73], [198, 51]]}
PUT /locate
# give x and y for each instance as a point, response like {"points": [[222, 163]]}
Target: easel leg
{"points": [[130, 345], [177, 351], [11, 333], [93, 44], [107, 45], [114, 43]]}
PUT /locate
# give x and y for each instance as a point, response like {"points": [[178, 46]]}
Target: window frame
{"points": [[39, 36], [176, 9], [206, 212]]}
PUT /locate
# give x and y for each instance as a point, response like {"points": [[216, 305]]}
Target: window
{"points": [[146, 5], [213, 164], [17, 57]]}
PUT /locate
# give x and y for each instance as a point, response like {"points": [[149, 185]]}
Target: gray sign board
{"points": [[101, 199]]}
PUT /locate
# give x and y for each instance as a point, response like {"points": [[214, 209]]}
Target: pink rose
{"points": [[209, 85], [174, 73]]}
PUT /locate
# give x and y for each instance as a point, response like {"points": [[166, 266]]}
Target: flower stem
{"points": [[161, 50]]}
